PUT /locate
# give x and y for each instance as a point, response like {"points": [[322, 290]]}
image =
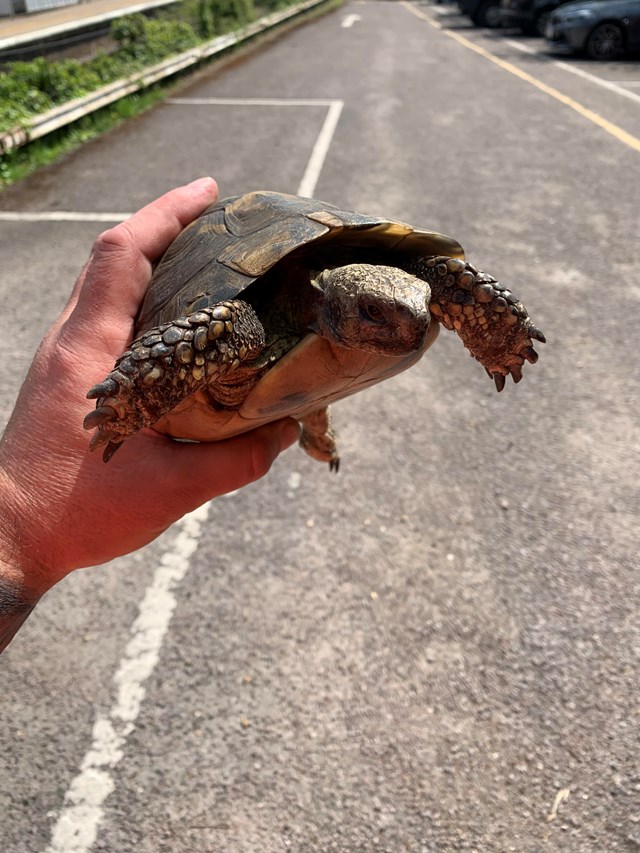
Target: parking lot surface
{"points": [[437, 649]]}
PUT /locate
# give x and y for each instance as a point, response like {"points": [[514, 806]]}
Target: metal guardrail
{"points": [[67, 113]]}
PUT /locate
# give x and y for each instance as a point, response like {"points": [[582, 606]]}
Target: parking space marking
{"points": [[618, 88], [350, 20], [252, 102], [320, 150], [613, 129], [306, 187], [322, 144], [76, 828]]}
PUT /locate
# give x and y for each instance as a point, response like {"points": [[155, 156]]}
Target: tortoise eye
{"points": [[373, 312]]}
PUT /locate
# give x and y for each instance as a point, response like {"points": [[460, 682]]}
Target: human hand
{"points": [[61, 507]]}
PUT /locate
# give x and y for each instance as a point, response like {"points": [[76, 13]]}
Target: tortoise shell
{"points": [[250, 242], [237, 240]]}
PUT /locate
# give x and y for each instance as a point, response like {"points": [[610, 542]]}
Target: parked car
{"points": [[531, 16], [483, 13], [604, 29]]}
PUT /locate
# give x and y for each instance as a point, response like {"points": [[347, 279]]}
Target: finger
{"points": [[200, 472], [120, 267]]}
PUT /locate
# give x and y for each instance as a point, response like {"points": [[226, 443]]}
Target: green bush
{"points": [[129, 33], [148, 40], [16, 91], [166, 37], [229, 14], [205, 24], [30, 88]]}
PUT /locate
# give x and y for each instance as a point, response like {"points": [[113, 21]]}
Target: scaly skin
{"points": [[318, 438], [168, 363], [491, 322]]}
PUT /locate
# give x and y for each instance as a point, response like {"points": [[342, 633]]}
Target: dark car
{"points": [[483, 13], [604, 29], [531, 16]]}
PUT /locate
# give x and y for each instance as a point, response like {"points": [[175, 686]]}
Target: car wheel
{"points": [[487, 14], [606, 42]]}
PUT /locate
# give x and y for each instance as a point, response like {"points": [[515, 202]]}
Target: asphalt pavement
{"points": [[437, 649]]}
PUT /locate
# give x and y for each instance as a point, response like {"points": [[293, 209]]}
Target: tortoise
{"points": [[271, 305]]}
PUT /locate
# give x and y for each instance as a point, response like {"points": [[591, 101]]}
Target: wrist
{"points": [[15, 605], [23, 576], [22, 580]]}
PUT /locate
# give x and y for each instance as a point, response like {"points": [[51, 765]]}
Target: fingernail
{"points": [[289, 435], [204, 184]]}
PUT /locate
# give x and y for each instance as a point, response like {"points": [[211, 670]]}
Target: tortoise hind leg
{"points": [[168, 363], [318, 438]]}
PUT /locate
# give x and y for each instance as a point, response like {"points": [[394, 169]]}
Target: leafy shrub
{"points": [[162, 38], [229, 14], [148, 40], [30, 88], [204, 19], [129, 33]]}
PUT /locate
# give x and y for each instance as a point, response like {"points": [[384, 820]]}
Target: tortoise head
{"points": [[374, 308]]}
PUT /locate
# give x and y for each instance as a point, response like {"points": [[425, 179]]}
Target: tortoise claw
{"points": [[105, 388], [535, 332], [516, 372], [334, 464], [530, 354], [99, 416], [499, 380], [110, 449]]}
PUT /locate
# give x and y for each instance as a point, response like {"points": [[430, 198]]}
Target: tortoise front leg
{"points": [[492, 323], [318, 438], [168, 363]]}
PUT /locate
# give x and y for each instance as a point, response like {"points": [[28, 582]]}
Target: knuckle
{"points": [[117, 239]]}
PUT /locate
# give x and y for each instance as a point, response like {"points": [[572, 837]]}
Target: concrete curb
{"points": [[67, 113]]}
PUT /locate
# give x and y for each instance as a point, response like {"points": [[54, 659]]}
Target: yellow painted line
{"points": [[615, 131]]}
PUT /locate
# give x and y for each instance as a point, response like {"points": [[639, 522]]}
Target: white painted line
{"points": [[251, 102], [524, 48], [322, 144], [349, 20], [76, 829], [60, 216], [605, 84], [579, 72], [320, 150]]}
